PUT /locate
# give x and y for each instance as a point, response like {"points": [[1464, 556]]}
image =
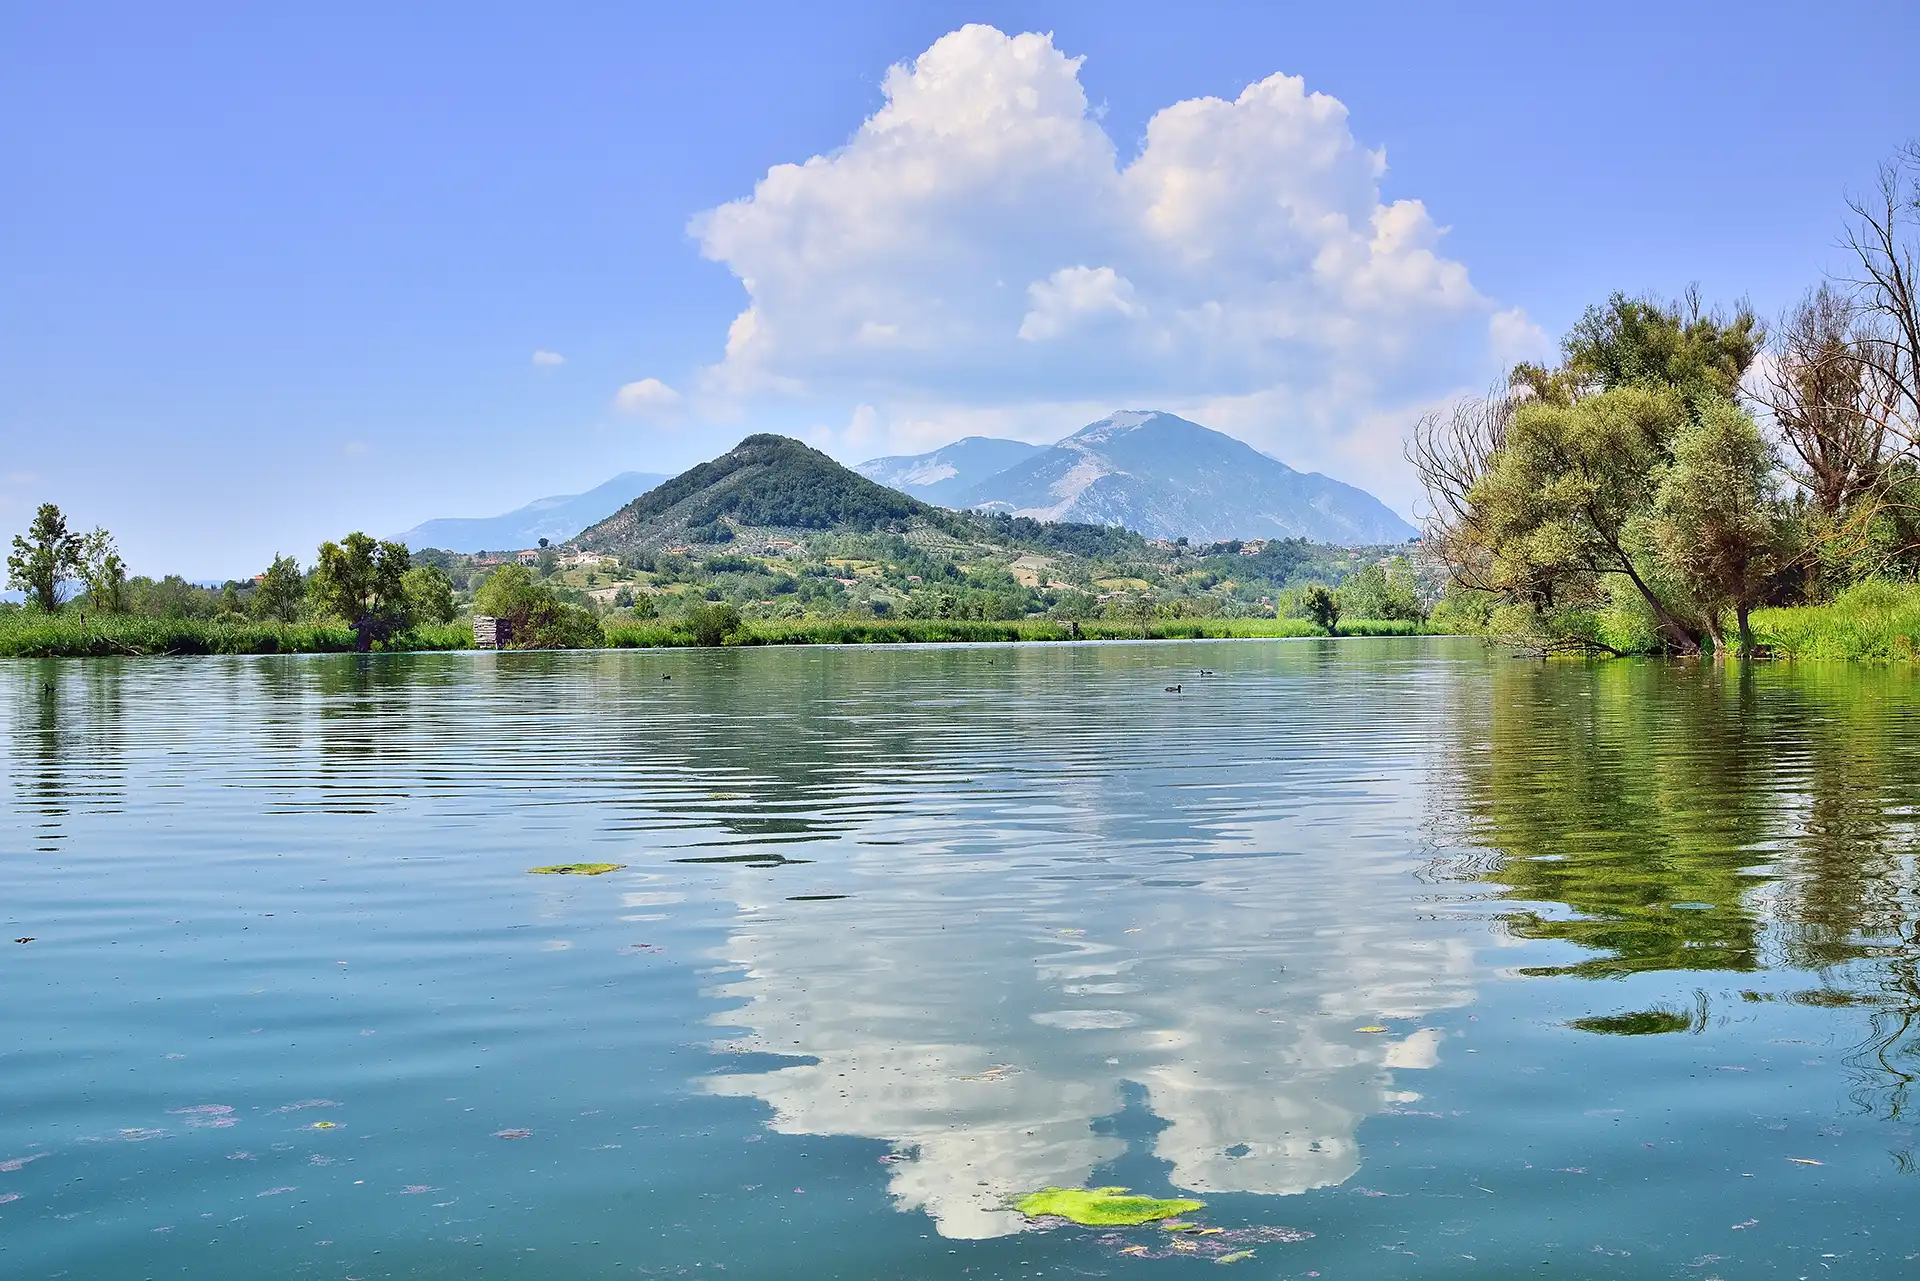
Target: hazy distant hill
{"points": [[766, 481], [1168, 478], [555, 519], [946, 473]]}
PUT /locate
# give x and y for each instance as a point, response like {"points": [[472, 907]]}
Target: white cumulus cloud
{"points": [[647, 396], [1072, 295], [547, 359], [981, 245]]}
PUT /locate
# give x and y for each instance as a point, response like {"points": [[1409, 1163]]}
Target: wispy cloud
{"points": [[548, 359], [649, 396]]}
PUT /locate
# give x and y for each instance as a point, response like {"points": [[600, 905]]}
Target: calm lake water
{"points": [[1464, 965]]}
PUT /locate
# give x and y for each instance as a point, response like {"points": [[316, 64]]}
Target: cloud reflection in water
{"points": [[969, 1029]]}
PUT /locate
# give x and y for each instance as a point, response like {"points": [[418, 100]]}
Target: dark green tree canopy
{"points": [[281, 591], [44, 559], [430, 594], [363, 581], [1646, 342]]}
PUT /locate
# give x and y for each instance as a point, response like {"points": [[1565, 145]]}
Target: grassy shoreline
{"points": [[70, 635], [1871, 622], [25, 635]]}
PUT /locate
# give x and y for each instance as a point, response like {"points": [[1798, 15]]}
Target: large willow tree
{"points": [[1628, 473]]}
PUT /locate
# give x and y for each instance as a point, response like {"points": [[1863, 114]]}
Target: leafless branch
{"points": [[1451, 449], [1884, 240]]}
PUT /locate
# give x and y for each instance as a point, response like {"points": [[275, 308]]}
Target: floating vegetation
{"points": [[1101, 1207], [326, 1125], [576, 869], [1635, 1023], [513, 1134]]}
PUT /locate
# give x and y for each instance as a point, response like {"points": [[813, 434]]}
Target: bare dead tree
{"points": [[1846, 391], [1884, 241], [1827, 401], [1451, 449]]}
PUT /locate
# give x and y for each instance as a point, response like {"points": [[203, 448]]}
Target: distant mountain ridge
{"points": [[1168, 477], [555, 519], [950, 471]]}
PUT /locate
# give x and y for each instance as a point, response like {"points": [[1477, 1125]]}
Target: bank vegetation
{"points": [[1687, 479]]}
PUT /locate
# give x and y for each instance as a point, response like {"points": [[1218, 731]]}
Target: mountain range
{"points": [[947, 473], [1148, 471], [555, 519], [1153, 472]]}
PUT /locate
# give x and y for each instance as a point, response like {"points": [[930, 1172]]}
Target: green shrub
{"points": [[1872, 620], [712, 622]]}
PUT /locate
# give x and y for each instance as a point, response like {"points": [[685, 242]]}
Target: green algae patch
{"points": [[576, 869], [1101, 1207]]}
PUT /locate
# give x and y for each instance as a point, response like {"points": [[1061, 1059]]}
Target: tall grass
{"points": [[31, 634], [1870, 621]]}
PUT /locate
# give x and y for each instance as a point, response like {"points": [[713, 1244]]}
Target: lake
{"points": [[1408, 958]]}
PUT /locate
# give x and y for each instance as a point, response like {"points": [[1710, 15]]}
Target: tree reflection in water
{"points": [[1688, 817]]}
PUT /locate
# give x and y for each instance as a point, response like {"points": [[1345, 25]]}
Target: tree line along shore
{"points": [[363, 595], [880, 586]]}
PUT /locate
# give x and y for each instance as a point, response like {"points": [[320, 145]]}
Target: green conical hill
{"points": [[764, 482]]}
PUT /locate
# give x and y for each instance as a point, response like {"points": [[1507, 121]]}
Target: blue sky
{"points": [[271, 273]]}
